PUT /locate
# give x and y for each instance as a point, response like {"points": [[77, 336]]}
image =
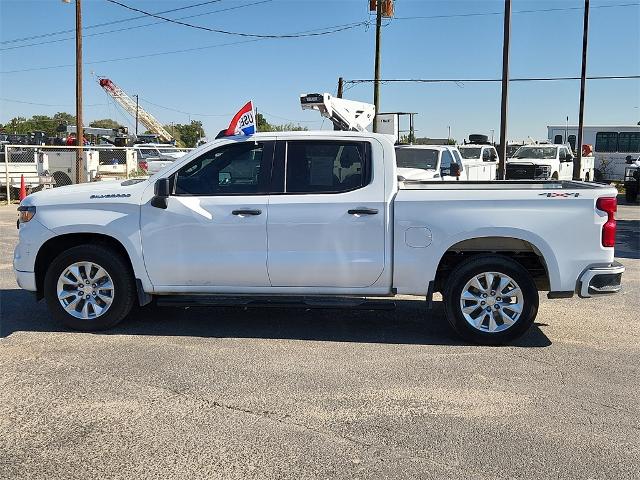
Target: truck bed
{"points": [[500, 185]]}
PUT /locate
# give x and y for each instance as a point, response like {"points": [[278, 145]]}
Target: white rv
{"points": [[612, 145]]}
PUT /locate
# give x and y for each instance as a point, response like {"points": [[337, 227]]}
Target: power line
{"points": [[186, 113], [148, 55], [239, 34], [134, 27], [60, 32], [486, 14], [50, 104], [490, 80]]}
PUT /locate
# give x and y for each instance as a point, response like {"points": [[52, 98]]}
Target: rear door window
{"points": [[317, 166]]}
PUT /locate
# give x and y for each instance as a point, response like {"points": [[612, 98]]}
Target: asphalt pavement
{"points": [[239, 393]]}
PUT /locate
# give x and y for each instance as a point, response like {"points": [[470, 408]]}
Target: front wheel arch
{"points": [[56, 245]]}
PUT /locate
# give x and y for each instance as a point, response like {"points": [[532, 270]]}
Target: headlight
{"points": [[543, 171], [26, 213]]}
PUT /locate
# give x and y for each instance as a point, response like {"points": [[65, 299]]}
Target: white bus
{"points": [[612, 145]]}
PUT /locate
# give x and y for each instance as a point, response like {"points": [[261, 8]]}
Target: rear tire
{"points": [[495, 320], [631, 193], [115, 288]]}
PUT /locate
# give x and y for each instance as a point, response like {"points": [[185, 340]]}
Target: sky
{"points": [[209, 76]]}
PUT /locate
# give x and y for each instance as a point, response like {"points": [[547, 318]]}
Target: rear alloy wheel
{"points": [[89, 287], [490, 300]]}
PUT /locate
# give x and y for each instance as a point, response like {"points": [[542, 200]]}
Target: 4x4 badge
{"points": [[560, 195]]}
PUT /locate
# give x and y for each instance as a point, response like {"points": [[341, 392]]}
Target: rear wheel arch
{"points": [[524, 252], [61, 243]]}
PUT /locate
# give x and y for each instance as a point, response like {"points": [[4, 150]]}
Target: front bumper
{"points": [[600, 279], [26, 280]]}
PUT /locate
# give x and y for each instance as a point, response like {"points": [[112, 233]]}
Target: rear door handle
{"points": [[362, 211], [247, 212]]}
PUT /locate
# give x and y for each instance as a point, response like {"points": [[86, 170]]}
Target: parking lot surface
{"points": [[283, 393]]}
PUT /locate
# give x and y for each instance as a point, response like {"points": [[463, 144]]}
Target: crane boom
{"points": [[344, 114], [129, 105]]}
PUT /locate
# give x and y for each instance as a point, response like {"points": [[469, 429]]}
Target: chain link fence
{"points": [[55, 166], [49, 166]]}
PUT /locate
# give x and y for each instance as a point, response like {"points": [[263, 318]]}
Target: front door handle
{"points": [[247, 212], [362, 211]]}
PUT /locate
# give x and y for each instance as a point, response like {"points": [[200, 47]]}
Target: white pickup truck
{"points": [[311, 216], [545, 161]]}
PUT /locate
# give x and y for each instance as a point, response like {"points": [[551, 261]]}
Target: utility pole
{"points": [[505, 89], [340, 87], [137, 108], [583, 77], [376, 75], [79, 121]]}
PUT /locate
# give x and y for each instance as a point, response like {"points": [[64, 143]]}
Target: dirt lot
{"points": [[276, 393]]}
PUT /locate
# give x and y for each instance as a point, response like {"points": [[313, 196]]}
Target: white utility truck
{"points": [[430, 162], [481, 161], [319, 219], [612, 144], [546, 161], [17, 162]]}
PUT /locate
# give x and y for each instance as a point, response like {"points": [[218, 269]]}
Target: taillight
{"points": [[609, 205]]}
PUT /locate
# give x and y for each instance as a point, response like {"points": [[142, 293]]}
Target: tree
{"points": [[42, 123], [64, 117], [186, 135], [105, 123], [264, 126]]}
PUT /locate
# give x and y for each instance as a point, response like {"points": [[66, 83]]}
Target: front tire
{"points": [[490, 300], [89, 288]]}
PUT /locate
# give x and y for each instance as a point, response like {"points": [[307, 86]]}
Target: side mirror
{"points": [[455, 170], [161, 193], [629, 159]]}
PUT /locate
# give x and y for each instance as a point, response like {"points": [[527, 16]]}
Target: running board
{"points": [[273, 302]]}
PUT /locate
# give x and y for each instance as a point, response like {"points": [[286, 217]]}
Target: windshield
{"points": [[540, 153], [423, 158], [470, 153]]}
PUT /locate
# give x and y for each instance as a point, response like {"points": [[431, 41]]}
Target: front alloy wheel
{"points": [[89, 287], [85, 290]]}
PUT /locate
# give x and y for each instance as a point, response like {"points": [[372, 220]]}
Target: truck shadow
{"points": [[409, 323], [628, 239]]}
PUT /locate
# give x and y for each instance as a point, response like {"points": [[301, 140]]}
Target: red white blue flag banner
{"points": [[243, 122]]}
